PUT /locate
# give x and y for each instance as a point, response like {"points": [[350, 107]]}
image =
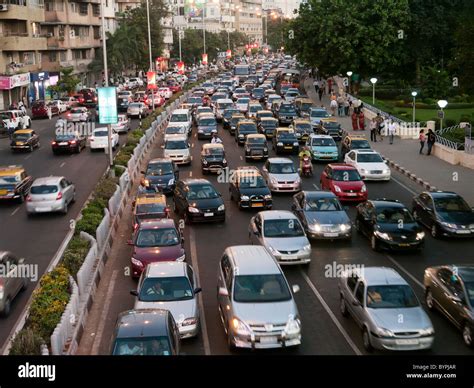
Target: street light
{"points": [[442, 104], [149, 49], [349, 75], [414, 94], [374, 81]]}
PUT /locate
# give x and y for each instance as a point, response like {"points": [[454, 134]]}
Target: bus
{"points": [[242, 71]]}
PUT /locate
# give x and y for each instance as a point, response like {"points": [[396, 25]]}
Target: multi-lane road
{"points": [[325, 331]]}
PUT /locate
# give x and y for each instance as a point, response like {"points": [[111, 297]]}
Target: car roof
{"points": [[276, 215], [378, 276], [285, 129], [143, 323], [195, 181], [163, 269], [252, 260], [160, 160], [247, 121], [151, 198], [341, 166], [10, 170], [178, 111], [317, 136], [279, 160], [177, 137], [50, 180], [387, 202], [159, 223], [319, 194], [442, 194], [365, 151], [212, 145], [24, 131], [256, 135]]}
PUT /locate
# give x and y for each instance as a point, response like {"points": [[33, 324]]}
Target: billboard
{"points": [[107, 105], [204, 59], [193, 9], [151, 80]]}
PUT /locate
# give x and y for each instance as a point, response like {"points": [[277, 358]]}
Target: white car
{"points": [[79, 114], [177, 149], [182, 117], [70, 102], [18, 119], [137, 109], [242, 104], [253, 109], [165, 93], [99, 139], [134, 83], [273, 98], [123, 124], [62, 106], [51, 194], [221, 105], [369, 164], [173, 129]]}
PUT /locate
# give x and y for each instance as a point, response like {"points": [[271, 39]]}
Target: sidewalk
{"points": [[430, 169]]}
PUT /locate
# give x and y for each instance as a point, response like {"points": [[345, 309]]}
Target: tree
{"points": [[67, 82], [277, 29]]}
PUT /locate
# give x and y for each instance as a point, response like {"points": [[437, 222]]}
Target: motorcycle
{"points": [[307, 167]]}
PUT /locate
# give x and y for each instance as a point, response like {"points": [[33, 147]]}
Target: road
{"points": [[38, 238], [325, 331]]}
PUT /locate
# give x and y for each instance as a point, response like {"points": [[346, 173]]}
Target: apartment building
{"points": [[285, 7], [248, 19]]}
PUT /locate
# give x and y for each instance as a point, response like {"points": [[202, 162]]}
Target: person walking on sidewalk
{"points": [[422, 138], [361, 117], [380, 123], [392, 129], [333, 106], [316, 85], [373, 130], [321, 91], [340, 105], [430, 141], [355, 123]]}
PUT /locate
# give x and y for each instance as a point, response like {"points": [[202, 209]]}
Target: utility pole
{"points": [[149, 49]]}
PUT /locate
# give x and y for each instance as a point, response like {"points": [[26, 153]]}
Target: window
{"points": [[29, 58], [35, 29], [74, 7], [96, 32], [95, 9], [59, 5], [49, 5], [83, 8], [62, 56], [359, 294]]}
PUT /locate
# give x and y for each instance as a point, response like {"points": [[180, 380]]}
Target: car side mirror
{"points": [[223, 291], [295, 288], [134, 292], [198, 290]]}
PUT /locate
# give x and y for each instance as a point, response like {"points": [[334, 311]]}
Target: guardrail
{"points": [[446, 142]]}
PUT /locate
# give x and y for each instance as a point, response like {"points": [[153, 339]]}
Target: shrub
{"points": [[49, 302], [89, 223], [122, 159], [27, 343], [97, 205], [105, 188], [118, 171], [75, 254]]}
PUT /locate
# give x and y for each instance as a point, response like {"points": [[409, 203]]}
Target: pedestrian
{"points": [[373, 130], [355, 124], [330, 82], [361, 117], [340, 105], [392, 128], [320, 93], [10, 127], [333, 107], [430, 141], [422, 138], [316, 85], [49, 111], [380, 125]]}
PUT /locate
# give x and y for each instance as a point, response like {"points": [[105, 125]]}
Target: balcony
{"points": [[61, 17], [21, 12], [79, 65], [21, 41]]}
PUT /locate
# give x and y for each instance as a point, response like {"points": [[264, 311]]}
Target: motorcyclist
{"points": [[305, 152], [216, 139]]}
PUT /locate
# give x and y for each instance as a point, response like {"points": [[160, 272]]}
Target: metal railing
{"points": [[446, 142], [382, 113]]}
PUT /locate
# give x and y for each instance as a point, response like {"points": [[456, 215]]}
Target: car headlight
{"points": [[244, 198], [221, 208], [384, 332], [387, 171], [344, 227], [241, 136], [427, 331], [189, 322], [204, 161], [315, 227], [171, 182], [279, 144], [136, 262], [297, 181], [265, 149], [363, 189], [200, 131], [307, 248], [274, 181], [181, 258], [192, 209], [272, 250], [224, 161], [268, 196], [296, 144], [239, 327], [293, 326], [337, 189], [449, 225], [420, 235], [382, 235], [363, 170]]}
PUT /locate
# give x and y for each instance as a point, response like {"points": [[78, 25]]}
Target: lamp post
{"points": [[149, 49], [374, 81], [414, 94], [442, 104], [349, 75]]}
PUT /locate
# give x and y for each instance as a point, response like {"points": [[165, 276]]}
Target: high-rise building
{"points": [[286, 7]]}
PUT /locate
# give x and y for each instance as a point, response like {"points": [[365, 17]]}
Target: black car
{"points": [[68, 143], [285, 141], [198, 201], [145, 332], [445, 213], [213, 158], [258, 94], [161, 174], [226, 117], [286, 113], [244, 128], [90, 98], [249, 190], [389, 225], [24, 140], [235, 119], [267, 126], [331, 128], [122, 104], [256, 147]]}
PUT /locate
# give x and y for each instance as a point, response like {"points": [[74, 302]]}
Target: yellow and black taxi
{"points": [[15, 183], [24, 139], [245, 128], [149, 206], [267, 126], [213, 158], [302, 128], [234, 120], [256, 147], [330, 126], [354, 142], [285, 141], [303, 106], [249, 190], [262, 114]]}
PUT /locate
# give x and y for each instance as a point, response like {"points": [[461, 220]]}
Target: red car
{"points": [[174, 87], [40, 109], [344, 181], [156, 240]]}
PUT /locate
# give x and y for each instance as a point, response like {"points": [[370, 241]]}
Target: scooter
{"points": [[307, 167]]}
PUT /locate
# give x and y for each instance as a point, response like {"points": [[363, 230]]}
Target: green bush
{"points": [[89, 223], [97, 205], [75, 254], [122, 159], [118, 171], [26, 343], [105, 188], [49, 301]]}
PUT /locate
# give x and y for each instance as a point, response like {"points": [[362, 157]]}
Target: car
{"points": [[286, 113], [389, 225], [137, 109], [60, 104], [376, 297], [256, 147], [16, 119], [444, 213], [149, 206], [140, 96], [316, 115], [125, 94], [227, 115], [267, 126], [182, 117], [174, 129], [244, 128], [284, 89], [206, 126], [69, 142], [303, 106], [234, 121], [323, 148], [177, 148], [15, 183], [281, 175], [198, 201], [150, 332], [171, 286], [218, 96], [290, 96], [134, 83], [99, 140], [123, 102], [369, 163], [122, 125], [166, 93], [79, 114], [161, 174], [155, 99], [238, 93], [253, 109], [248, 276], [258, 94], [50, 194], [213, 158], [450, 289], [282, 234], [155, 240], [263, 114], [209, 87], [322, 215], [242, 104], [249, 190], [202, 110], [221, 106], [39, 109], [330, 127], [24, 140], [302, 128], [354, 142], [285, 141], [273, 100], [174, 86], [90, 97], [344, 181], [10, 283], [70, 102]]}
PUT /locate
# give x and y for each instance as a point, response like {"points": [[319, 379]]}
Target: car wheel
{"points": [[230, 342], [429, 299], [366, 340], [467, 335], [343, 307], [6, 308], [374, 244], [434, 231]]}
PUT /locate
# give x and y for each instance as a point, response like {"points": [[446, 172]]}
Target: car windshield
{"points": [[282, 168], [451, 204], [248, 128], [282, 228], [142, 346], [21, 136], [194, 100], [346, 175], [165, 289], [360, 145], [286, 109], [248, 181], [214, 151], [369, 158], [44, 189], [261, 289], [135, 106], [304, 128], [202, 191], [319, 113], [306, 106], [393, 215], [208, 121], [224, 105], [243, 100], [286, 135], [175, 130], [100, 134], [265, 114], [176, 144], [161, 237], [323, 142], [391, 296], [257, 91], [255, 108], [175, 118], [229, 112], [322, 205], [158, 169], [274, 99], [145, 208], [332, 125], [257, 140], [65, 137], [269, 124]]}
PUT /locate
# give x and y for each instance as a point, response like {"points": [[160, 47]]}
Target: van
{"points": [[182, 117]]}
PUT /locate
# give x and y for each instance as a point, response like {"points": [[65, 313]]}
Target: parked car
{"points": [[344, 181], [24, 140], [249, 190], [281, 175], [72, 142], [99, 140], [10, 283], [213, 158]]}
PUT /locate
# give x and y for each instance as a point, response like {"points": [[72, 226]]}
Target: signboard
{"points": [[221, 54], [204, 59], [107, 98], [181, 67], [151, 80], [10, 82], [441, 114], [193, 9], [228, 54]]}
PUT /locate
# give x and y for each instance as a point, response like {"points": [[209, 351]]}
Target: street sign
{"points": [[107, 105], [204, 59], [151, 80], [221, 54], [181, 34], [441, 114]]}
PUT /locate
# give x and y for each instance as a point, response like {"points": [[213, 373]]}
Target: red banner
{"points": [[204, 59], [151, 80], [228, 54], [181, 67]]}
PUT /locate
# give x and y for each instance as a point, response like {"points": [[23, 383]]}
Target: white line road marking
{"points": [[241, 157], [105, 312], [415, 280], [190, 174], [404, 186], [15, 211], [315, 186], [205, 337], [62, 164], [331, 315], [27, 157]]}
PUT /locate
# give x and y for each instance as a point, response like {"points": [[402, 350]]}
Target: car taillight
{"points": [[28, 198], [95, 98], [53, 143], [68, 115], [72, 142], [60, 195]]}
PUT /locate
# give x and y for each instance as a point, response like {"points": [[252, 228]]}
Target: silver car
{"points": [[172, 286], [282, 234], [10, 283], [255, 302], [386, 309], [281, 175], [50, 194], [122, 125], [137, 109]]}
